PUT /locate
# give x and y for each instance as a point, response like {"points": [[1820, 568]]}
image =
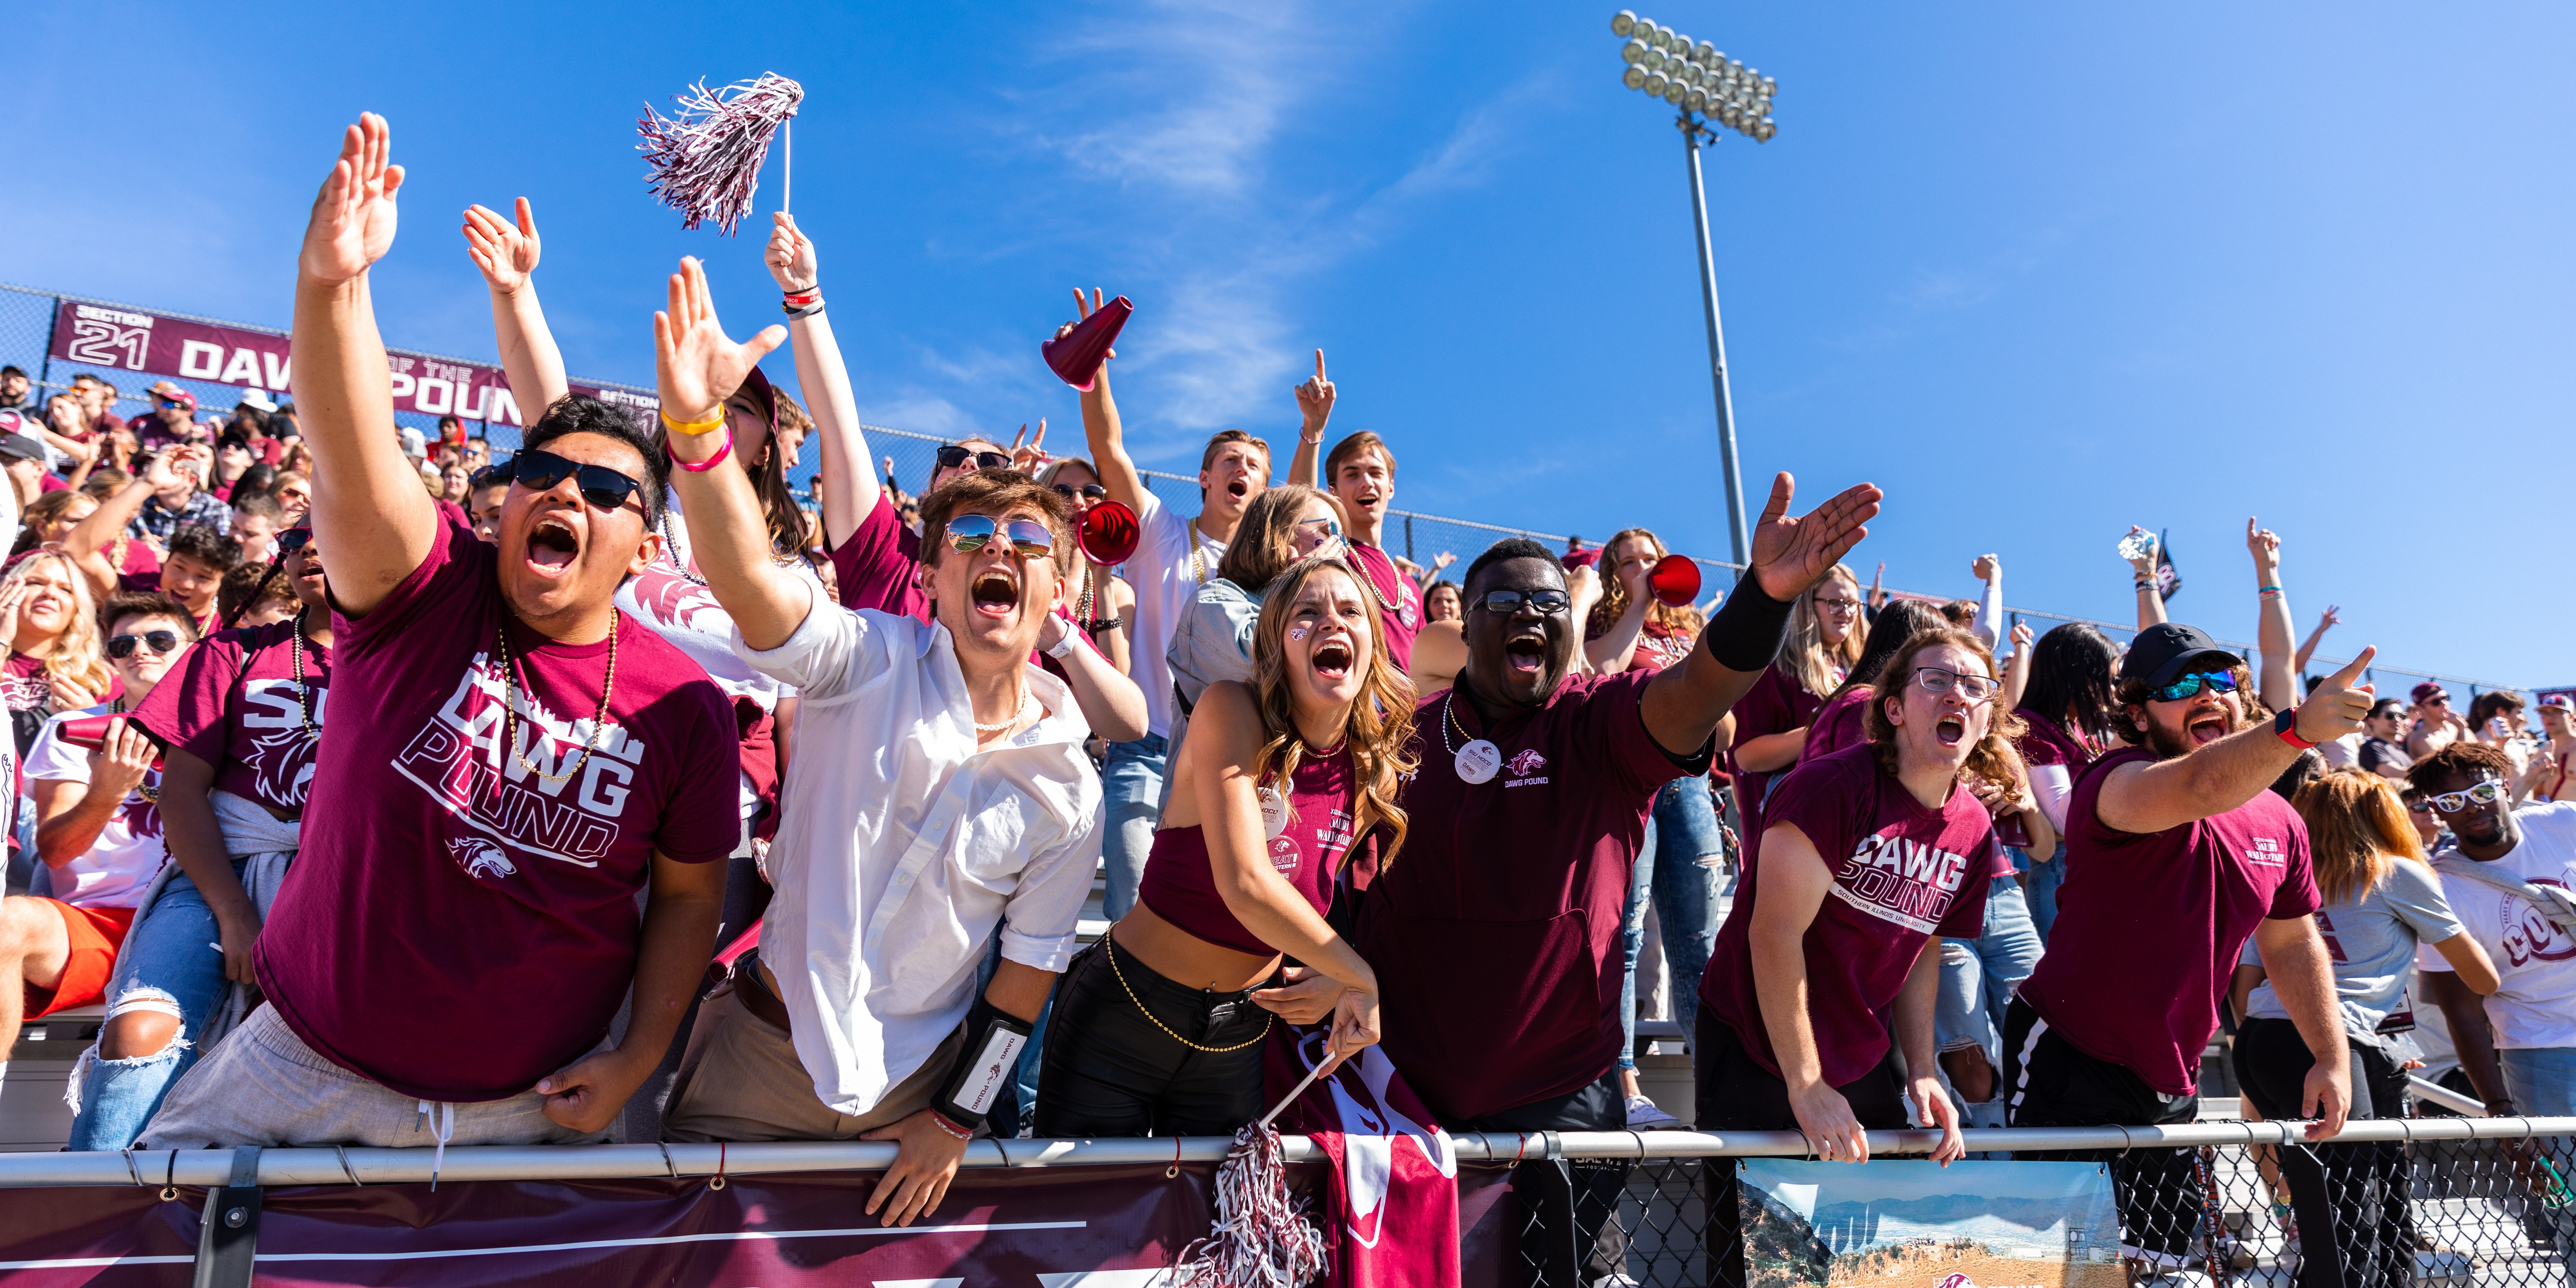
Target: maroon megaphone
{"points": [[91, 732], [1108, 531], [1077, 354], [1675, 580]]}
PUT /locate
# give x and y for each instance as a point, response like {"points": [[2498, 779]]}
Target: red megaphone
{"points": [[91, 732], [1077, 354], [1675, 580], [1108, 530]]}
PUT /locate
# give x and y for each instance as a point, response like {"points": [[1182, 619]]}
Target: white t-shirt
{"points": [[120, 865], [2536, 1006], [1172, 560]]}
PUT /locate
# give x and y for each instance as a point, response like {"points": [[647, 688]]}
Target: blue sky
{"points": [[2040, 271]]}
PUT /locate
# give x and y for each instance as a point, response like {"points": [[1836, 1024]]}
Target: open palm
{"points": [[505, 252], [353, 215], [698, 366], [1790, 555]]}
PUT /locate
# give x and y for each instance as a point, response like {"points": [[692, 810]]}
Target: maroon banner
{"points": [[1058, 1227], [98, 335]]}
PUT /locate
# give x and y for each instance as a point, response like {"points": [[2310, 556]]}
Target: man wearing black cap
{"points": [[2175, 854]]}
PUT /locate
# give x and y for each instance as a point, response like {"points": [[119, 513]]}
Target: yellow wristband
{"points": [[695, 427]]}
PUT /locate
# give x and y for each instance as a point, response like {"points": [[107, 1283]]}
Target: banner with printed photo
{"points": [[156, 344], [1914, 1224]]}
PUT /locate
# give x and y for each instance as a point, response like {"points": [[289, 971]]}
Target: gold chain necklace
{"points": [[1371, 578], [1109, 945], [510, 711]]}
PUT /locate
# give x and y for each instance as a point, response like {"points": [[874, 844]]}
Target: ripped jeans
{"points": [[173, 963]]}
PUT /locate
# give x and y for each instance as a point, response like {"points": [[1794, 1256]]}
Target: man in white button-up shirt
{"points": [[940, 795]]}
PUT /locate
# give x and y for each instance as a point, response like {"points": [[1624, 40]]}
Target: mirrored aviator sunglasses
{"points": [[2191, 685], [541, 471], [968, 533], [162, 643]]}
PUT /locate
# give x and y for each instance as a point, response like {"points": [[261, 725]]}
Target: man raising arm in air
{"points": [[519, 759]]}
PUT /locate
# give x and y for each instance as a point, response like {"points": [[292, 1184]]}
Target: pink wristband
{"points": [[707, 464]]}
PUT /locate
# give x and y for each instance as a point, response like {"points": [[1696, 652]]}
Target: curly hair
{"points": [[1379, 728], [1991, 760], [1683, 620], [2467, 758]]}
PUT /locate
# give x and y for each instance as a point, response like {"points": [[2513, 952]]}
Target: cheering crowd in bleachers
{"points": [[619, 706]]}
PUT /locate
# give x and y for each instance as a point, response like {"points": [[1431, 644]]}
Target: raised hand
{"points": [[2336, 706], [1315, 402], [2145, 562], [790, 255], [353, 216], [1441, 561], [505, 252], [694, 363], [1082, 309], [1983, 568], [2333, 616], [1790, 555], [2265, 546], [1029, 456], [2022, 635]]}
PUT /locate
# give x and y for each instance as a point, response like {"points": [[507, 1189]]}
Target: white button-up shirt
{"points": [[901, 847]]}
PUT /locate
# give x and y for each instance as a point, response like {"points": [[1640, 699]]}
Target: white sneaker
{"points": [[1644, 1115]]}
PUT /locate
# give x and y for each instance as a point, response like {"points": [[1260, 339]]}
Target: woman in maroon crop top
{"points": [[1158, 1028]]}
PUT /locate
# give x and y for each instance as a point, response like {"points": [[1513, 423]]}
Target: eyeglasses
{"points": [[1087, 492], [161, 643], [2190, 685], [543, 471], [2485, 792], [952, 456], [1941, 679], [1327, 527], [968, 533], [1838, 605], [1505, 603], [2419, 807]]}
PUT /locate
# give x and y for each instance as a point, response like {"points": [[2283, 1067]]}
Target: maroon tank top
{"points": [[1180, 886]]}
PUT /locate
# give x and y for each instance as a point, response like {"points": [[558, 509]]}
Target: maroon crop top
{"points": [[1180, 886]]}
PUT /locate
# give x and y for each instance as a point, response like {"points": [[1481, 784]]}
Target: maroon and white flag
{"points": [[1393, 1217]]}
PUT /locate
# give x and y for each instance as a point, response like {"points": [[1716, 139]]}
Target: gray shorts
{"points": [[262, 1086]]}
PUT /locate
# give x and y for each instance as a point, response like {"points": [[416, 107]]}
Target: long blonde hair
{"points": [[1804, 654], [77, 657], [1682, 620], [2357, 830], [1380, 724]]}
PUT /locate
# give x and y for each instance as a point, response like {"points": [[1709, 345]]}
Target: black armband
{"points": [[1746, 632], [994, 1039]]}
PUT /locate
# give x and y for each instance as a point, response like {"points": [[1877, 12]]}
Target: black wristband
{"points": [[1745, 635], [994, 1039]]}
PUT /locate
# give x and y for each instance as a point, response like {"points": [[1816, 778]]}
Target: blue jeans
{"points": [[1681, 831], [2541, 1080], [1978, 976], [1131, 785], [173, 961], [2045, 877]]}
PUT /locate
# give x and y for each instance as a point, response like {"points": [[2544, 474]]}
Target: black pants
{"points": [[2051, 1084], [1568, 1237], [1733, 1092], [2350, 1200], [1111, 1070]]}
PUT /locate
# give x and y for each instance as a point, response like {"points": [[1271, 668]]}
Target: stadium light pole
{"points": [[1701, 81]]}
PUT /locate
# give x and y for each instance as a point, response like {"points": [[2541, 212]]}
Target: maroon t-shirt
{"points": [[1495, 932], [878, 566], [1776, 703], [1404, 621], [1902, 874], [2148, 927], [458, 925], [2046, 742], [1843, 721], [234, 704], [1314, 834]]}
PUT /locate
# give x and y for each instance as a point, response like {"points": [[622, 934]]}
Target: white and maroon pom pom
{"points": [[706, 157], [1261, 1237]]}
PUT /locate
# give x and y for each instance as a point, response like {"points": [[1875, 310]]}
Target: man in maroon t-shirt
{"points": [[2175, 854], [510, 760], [1496, 938]]}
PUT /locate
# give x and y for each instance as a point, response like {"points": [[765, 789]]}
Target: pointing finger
{"points": [[1319, 368]]}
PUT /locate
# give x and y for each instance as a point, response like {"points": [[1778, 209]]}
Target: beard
{"points": [[2169, 744]]}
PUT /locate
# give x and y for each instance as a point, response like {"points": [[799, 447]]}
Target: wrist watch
{"points": [[1063, 646], [2286, 725]]}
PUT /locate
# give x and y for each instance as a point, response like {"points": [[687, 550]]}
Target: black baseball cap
{"points": [[21, 447], [2167, 651]]}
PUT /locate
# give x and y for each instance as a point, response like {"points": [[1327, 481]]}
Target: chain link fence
{"points": [[27, 320]]}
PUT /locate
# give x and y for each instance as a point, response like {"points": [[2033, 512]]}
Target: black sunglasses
{"points": [[542, 471], [952, 456], [122, 647], [1504, 603], [292, 540], [1088, 491]]}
